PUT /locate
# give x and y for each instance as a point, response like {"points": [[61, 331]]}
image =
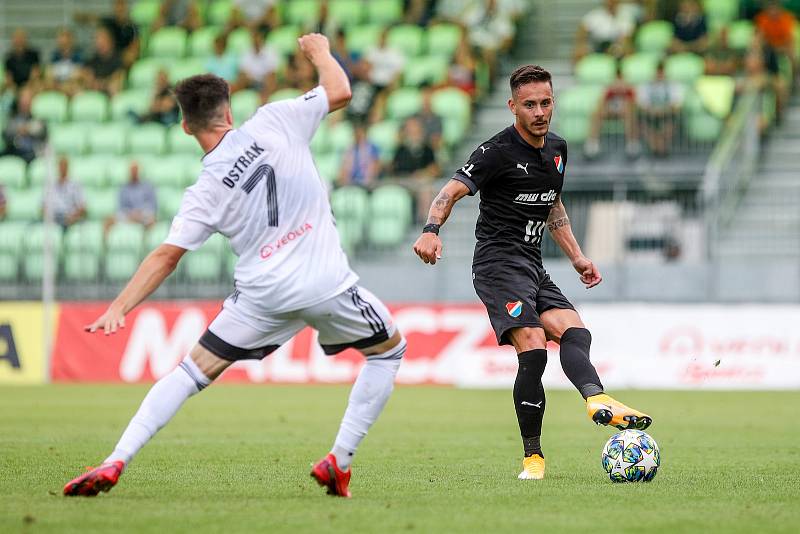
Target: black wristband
{"points": [[432, 228]]}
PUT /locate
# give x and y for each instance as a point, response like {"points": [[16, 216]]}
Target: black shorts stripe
{"points": [[369, 310], [372, 324], [226, 351], [367, 342]]}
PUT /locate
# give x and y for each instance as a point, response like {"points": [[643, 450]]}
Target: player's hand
{"points": [[112, 319], [314, 45], [588, 271], [429, 247]]}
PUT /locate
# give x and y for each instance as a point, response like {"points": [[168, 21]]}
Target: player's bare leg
{"points": [[369, 395], [162, 402], [565, 327]]}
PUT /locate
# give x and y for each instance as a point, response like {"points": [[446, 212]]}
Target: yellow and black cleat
{"points": [[532, 468], [604, 410]]}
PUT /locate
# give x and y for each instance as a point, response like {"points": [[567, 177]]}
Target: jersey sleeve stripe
{"points": [[473, 187]]}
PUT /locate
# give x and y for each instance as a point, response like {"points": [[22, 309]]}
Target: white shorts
{"points": [[352, 319]]}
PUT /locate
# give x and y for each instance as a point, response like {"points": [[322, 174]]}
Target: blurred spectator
{"points": [[254, 13], [300, 72], [415, 157], [104, 70], [419, 12], [258, 65], [659, 104], [367, 101], [720, 58], [691, 30], [183, 13], [24, 135], [618, 102], [2, 202], [22, 62], [490, 31], [123, 30], [461, 73], [430, 121], [164, 107], [136, 202], [339, 51], [221, 62], [606, 29], [361, 163], [385, 63], [64, 199], [66, 62], [776, 27], [756, 77]]}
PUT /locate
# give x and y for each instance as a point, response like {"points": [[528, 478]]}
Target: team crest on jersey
{"points": [[559, 163], [514, 309]]}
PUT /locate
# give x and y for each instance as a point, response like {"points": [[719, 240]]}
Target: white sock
{"points": [[370, 392], [158, 407]]}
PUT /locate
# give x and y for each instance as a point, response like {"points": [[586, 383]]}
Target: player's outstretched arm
{"points": [[429, 247], [331, 75], [561, 230], [154, 269]]}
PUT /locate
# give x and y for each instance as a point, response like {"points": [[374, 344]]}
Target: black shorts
{"points": [[515, 297]]}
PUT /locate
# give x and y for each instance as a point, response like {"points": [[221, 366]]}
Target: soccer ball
{"points": [[631, 456]]}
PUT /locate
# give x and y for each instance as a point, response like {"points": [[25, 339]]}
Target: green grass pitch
{"points": [[236, 459]]}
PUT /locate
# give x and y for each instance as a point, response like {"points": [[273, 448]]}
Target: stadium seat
{"points": [[362, 38], [201, 41], [639, 68], [720, 12], [168, 172], [579, 100], [9, 267], [120, 266], [33, 267], [239, 42], [131, 100], [342, 136], [406, 38], [328, 166], [192, 167], [143, 73], [716, 93], [167, 42], [344, 13], [184, 68], [385, 135], [39, 235], [155, 235], [704, 127], [88, 171], [443, 39], [89, 106], [284, 39], [350, 206], [169, 202], [81, 266], [229, 266], [201, 266], [86, 236], [430, 70], [654, 36], [12, 235], [24, 204], [117, 170], [321, 142], [100, 203], [145, 12], [685, 68], [244, 104], [181, 143], [403, 103], [12, 171], [303, 13], [452, 102], [37, 171], [284, 94], [110, 138], [384, 12], [390, 215], [598, 69], [50, 106], [740, 34], [219, 12], [69, 138], [149, 138], [125, 237]]}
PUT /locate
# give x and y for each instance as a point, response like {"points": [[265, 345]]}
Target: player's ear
{"points": [[228, 116], [185, 127], [512, 106]]}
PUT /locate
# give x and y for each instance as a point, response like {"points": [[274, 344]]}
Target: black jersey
{"points": [[518, 185]]}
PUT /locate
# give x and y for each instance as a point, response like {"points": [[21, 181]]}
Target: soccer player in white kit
{"points": [[260, 189]]}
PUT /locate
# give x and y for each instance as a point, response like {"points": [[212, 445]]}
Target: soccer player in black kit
{"points": [[520, 173]]}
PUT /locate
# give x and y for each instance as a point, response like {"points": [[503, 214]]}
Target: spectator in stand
{"points": [[339, 51], [22, 64], [367, 101], [258, 65], [300, 72], [361, 164], [183, 13], [123, 30], [606, 29], [136, 202], [385, 63], [490, 31], [66, 62], [64, 199], [3, 202], [430, 121], [756, 77], [776, 27], [720, 58], [461, 73], [254, 13], [221, 62], [691, 30], [618, 102], [415, 160], [24, 136], [659, 103], [104, 71], [164, 107], [419, 12]]}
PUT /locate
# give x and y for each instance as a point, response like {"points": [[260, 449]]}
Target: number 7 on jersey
{"points": [[272, 191]]}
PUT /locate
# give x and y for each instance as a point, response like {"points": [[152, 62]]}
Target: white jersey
{"points": [[260, 189]]}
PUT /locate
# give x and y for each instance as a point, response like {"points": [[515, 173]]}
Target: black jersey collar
{"points": [[521, 140]]}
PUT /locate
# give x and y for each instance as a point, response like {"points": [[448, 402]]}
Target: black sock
{"points": [[575, 344], [529, 401]]}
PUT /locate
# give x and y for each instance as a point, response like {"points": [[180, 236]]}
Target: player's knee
{"points": [[208, 363], [525, 339], [393, 344]]}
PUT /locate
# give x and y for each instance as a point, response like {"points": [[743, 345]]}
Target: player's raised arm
{"points": [[561, 230], [151, 273], [429, 247], [331, 75]]}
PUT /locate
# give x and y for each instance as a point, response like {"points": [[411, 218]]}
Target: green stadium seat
{"points": [[452, 103], [403, 103], [24, 204], [219, 12], [37, 171], [201, 266], [37, 236], [321, 142], [82, 266], [579, 100], [168, 172], [167, 42], [50, 106], [654, 36], [149, 138], [454, 130], [328, 166], [390, 215], [599, 69], [169, 202], [573, 128], [12, 236], [100, 203], [284, 39], [89, 106], [385, 135], [350, 206], [117, 170], [430, 70], [33, 267], [443, 39], [361, 38], [239, 42], [9, 267], [86, 236], [145, 12], [740, 35], [704, 127], [143, 73], [342, 136], [125, 237], [182, 143], [244, 104], [156, 235], [12, 171], [639, 68], [88, 171], [720, 12], [130, 100], [406, 38], [201, 41], [230, 264], [120, 266], [184, 68], [303, 13], [69, 137], [110, 138], [716, 93], [192, 167], [344, 13], [284, 94], [685, 68], [384, 12]]}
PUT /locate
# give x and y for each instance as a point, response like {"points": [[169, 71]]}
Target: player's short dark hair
{"points": [[200, 98], [529, 74]]}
